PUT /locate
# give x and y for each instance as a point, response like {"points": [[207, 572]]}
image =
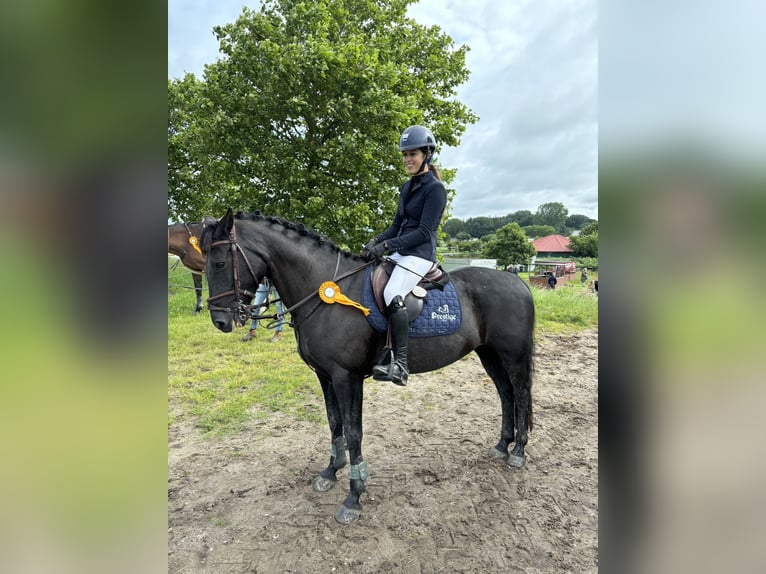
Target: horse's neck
{"points": [[298, 264], [178, 244]]}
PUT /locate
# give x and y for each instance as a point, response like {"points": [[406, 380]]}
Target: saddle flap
{"points": [[379, 278], [381, 273]]}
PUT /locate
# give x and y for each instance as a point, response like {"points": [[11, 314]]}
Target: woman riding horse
{"points": [[411, 241], [335, 337]]}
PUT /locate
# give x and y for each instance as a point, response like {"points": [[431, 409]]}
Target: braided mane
{"points": [[299, 228]]}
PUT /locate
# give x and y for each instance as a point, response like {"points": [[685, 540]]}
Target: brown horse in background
{"points": [[184, 241]]}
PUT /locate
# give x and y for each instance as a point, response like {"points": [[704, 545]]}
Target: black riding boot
{"points": [[396, 370]]}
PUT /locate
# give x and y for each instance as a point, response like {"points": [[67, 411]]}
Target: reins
{"points": [[277, 317], [245, 312]]}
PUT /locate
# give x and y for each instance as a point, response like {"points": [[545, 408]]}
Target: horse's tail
{"points": [[530, 367]]}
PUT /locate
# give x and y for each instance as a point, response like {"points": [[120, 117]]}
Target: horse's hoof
{"points": [[515, 460], [496, 455], [347, 515], [321, 484]]}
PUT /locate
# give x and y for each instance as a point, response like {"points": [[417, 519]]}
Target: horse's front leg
{"points": [[338, 459], [198, 290], [349, 392]]}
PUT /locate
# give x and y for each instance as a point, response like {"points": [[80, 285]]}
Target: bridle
{"points": [[240, 309], [243, 311]]}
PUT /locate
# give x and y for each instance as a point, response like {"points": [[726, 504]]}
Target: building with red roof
{"points": [[553, 246]]}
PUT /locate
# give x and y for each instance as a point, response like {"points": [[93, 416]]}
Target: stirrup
{"points": [[401, 380], [386, 373], [381, 371]]}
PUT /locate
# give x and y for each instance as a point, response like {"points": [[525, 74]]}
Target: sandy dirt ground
{"points": [[435, 502]]}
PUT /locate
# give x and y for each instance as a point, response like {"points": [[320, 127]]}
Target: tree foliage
{"points": [[536, 231], [187, 170], [586, 243], [550, 218], [553, 214], [523, 217], [577, 221], [590, 229], [453, 226], [479, 226], [301, 116], [510, 246]]}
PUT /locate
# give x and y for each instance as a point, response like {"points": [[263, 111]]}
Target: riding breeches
{"points": [[406, 274]]}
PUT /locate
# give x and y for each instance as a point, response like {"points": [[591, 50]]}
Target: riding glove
{"points": [[377, 250]]}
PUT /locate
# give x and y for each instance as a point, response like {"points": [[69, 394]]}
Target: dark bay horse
{"points": [[184, 241], [338, 343]]}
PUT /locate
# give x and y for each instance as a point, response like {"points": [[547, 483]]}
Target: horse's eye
{"points": [[220, 265]]}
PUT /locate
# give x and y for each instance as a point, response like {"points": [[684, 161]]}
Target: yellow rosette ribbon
{"points": [[330, 293], [195, 243]]}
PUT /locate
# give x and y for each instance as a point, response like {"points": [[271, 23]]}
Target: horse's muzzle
{"points": [[223, 321], [223, 317]]}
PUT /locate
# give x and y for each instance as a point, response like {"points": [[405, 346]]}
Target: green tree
{"points": [[187, 197], [590, 228], [523, 217], [553, 214], [479, 226], [510, 245], [586, 243], [301, 116], [577, 221], [453, 226], [536, 231]]}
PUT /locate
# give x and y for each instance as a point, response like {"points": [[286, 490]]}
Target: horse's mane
{"points": [[299, 228]]}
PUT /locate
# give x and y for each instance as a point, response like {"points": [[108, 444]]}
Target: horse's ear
{"points": [[228, 221], [209, 221]]}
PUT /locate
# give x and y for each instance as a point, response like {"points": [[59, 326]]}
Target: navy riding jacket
{"points": [[422, 200]]}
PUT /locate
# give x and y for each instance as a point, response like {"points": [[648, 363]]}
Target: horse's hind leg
{"points": [[512, 377], [327, 478], [493, 364], [520, 374]]}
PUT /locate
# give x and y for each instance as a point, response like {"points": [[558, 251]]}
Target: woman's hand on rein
{"points": [[376, 251]]}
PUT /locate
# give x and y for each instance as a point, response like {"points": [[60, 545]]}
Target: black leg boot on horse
{"points": [[396, 370]]}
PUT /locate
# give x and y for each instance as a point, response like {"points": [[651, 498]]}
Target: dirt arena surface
{"points": [[435, 503]]}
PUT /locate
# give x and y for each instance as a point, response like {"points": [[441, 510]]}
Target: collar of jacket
{"points": [[417, 180]]}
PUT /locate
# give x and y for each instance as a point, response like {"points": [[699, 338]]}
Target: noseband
{"points": [[240, 309]]}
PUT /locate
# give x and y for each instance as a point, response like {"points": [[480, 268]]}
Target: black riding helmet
{"points": [[418, 137]]}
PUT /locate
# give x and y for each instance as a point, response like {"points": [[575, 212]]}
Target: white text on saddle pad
{"points": [[442, 314]]}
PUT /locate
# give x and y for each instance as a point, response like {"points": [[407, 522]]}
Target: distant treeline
{"points": [[550, 218]]}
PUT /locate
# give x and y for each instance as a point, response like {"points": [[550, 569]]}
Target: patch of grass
{"points": [[224, 382], [570, 308]]}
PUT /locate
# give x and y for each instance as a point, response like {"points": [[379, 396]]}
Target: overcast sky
{"points": [[533, 83]]}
